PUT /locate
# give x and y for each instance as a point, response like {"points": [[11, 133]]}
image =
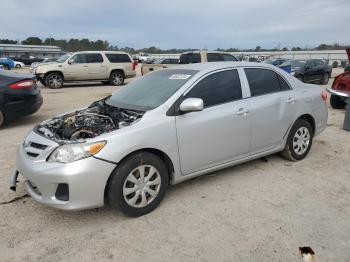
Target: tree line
{"points": [[85, 44]]}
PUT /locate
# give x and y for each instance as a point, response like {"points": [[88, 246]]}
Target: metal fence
{"points": [[329, 55]]}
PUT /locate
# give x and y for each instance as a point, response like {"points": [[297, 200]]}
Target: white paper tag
{"points": [[179, 77]]}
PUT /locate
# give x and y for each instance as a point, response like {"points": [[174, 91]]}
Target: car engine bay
{"points": [[97, 119]]}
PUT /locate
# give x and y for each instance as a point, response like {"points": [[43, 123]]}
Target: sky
{"points": [[181, 23]]}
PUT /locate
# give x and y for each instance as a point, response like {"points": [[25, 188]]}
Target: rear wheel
{"points": [[336, 102], [325, 79], [2, 118], [54, 80], [117, 78], [139, 184], [18, 66], [299, 141], [6, 67]]}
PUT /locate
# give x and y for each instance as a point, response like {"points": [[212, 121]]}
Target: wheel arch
{"points": [[117, 69], [310, 119], [161, 154], [53, 71]]}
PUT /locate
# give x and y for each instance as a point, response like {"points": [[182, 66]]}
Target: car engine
{"points": [[97, 119]]}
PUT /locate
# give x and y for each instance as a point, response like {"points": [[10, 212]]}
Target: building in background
{"points": [[40, 51]]}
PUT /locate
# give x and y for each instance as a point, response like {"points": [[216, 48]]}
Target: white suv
{"points": [[108, 66]]}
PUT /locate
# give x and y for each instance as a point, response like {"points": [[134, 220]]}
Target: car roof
{"points": [[94, 52], [212, 66]]}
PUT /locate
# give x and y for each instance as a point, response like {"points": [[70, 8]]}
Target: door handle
{"points": [[242, 111], [290, 100]]}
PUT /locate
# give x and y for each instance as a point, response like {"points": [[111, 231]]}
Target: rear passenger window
{"points": [[283, 83], [229, 57], [118, 58], [94, 58], [264, 81], [217, 88], [214, 57], [190, 58]]}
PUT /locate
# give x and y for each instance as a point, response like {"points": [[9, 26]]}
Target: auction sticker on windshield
{"points": [[179, 77]]}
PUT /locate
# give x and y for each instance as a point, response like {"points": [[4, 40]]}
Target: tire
{"points": [[18, 66], [297, 149], [54, 80], [300, 77], [117, 78], [6, 67], [325, 79], [336, 102], [2, 118], [137, 202]]}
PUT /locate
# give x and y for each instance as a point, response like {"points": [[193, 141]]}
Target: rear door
{"points": [[311, 74], [273, 108], [221, 132], [96, 66]]}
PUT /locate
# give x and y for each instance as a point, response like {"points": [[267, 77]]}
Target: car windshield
{"points": [[63, 58], [293, 63], [151, 90]]}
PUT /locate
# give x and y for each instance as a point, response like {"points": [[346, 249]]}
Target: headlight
{"points": [[74, 152]]}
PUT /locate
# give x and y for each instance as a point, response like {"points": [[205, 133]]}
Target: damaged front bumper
{"points": [[72, 186]]}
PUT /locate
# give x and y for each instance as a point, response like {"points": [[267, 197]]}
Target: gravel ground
{"points": [[257, 211]]}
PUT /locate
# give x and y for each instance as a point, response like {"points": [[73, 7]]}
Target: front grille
{"points": [[34, 149], [32, 154], [38, 146]]}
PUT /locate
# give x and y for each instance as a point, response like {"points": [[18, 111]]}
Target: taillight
{"points": [[324, 95], [134, 64], [22, 84]]}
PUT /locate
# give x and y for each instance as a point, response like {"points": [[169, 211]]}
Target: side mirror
{"points": [[71, 61], [191, 105]]}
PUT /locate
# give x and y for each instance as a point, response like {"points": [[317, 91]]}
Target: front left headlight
{"points": [[74, 152]]}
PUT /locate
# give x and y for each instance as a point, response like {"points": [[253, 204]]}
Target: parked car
{"points": [[34, 65], [166, 127], [19, 95], [159, 64], [192, 57], [18, 64], [275, 62], [108, 66], [7, 63], [27, 59], [145, 58], [340, 89], [310, 71]]}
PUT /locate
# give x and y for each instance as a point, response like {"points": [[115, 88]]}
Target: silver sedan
{"points": [[169, 126]]}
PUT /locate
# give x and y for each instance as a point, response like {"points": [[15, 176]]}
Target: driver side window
{"points": [[217, 88], [79, 59]]}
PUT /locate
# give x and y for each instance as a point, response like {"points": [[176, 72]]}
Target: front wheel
{"points": [[299, 141], [336, 102], [117, 78], [139, 184], [54, 80], [18, 66]]}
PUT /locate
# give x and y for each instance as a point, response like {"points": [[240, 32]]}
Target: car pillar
{"points": [[346, 125]]}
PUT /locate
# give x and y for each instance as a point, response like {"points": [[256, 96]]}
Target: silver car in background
{"points": [[167, 127]]}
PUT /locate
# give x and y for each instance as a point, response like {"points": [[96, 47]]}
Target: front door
{"points": [[77, 68], [221, 132]]}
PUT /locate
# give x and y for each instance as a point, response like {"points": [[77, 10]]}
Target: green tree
{"points": [[32, 41]]}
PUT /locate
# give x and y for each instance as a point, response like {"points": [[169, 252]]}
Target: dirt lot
{"points": [[258, 211]]}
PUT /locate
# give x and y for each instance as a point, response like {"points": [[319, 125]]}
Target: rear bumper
{"points": [[22, 107], [85, 179], [338, 93]]}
